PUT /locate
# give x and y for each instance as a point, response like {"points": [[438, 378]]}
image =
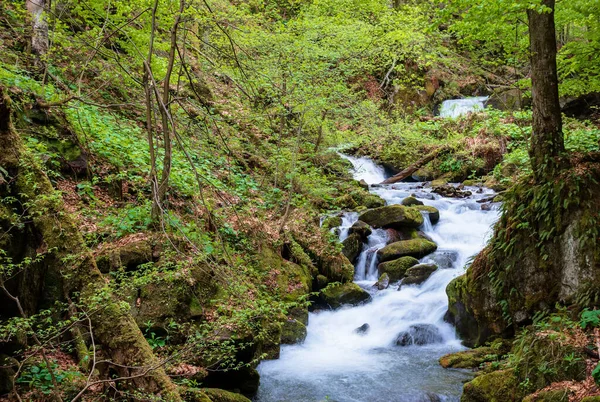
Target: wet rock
{"points": [[352, 246], [419, 334], [344, 294], [451, 192], [411, 201], [383, 282], [363, 184], [432, 212], [471, 359], [486, 207], [392, 216], [444, 259], [363, 329], [418, 274], [417, 248], [294, 329], [396, 269], [361, 229]]}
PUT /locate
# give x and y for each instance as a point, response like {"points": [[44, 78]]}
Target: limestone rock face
{"points": [[392, 216], [417, 248]]}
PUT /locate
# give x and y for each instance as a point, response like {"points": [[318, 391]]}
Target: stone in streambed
{"points": [[411, 201], [432, 212], [419, 334], [417, 248], [396, 269], [352, 246], [444, 259], [363, 329], [471, 359], [344, 294], [418, 274], [362, 229], [383, 282], [392, 216]]}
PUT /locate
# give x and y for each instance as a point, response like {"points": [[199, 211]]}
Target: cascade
{"points": [[459, 107], [335, 363]]}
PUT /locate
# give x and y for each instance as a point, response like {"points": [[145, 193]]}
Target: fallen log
{"points": [[416, 166]]}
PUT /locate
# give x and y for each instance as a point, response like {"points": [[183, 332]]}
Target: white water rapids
{"points": [[336, 364], [458, 107]]}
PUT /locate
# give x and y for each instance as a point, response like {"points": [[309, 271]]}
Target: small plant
{"points": [[40, 378], [590, 318]]}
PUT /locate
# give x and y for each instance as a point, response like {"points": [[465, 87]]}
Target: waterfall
{"points": [[458, 107], [365, 169], [337, 364]]}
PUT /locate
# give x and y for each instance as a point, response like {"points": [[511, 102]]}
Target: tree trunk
{"points": [[70, 260], [547, 143], [39, 36]]}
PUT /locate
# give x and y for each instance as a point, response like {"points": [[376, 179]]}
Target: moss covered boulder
{"points": [[383, 282], [396, 269], [417, 248], [344, 294], [418, 274], [362, 229], [220, 395], [331, 222], [432, 212], [411, 201], [351, 246], [293, 329], [556, 395], [128, 256], [393, 216], [497, 386], [469, 359]]}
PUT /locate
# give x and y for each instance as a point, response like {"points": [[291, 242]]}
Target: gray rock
{"points": [[363, 329], [418, 274], [419, 334]]}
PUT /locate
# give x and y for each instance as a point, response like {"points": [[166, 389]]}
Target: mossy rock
{"points": [[321, 282], [396, 269], [128, 256], [336, 268], [417, 248], [418, 274], [243, 381], [557, 395], [432, 212], [345, 202], [472, 358], [383, 282], [220, 395], [352, 246], [497, 386], [362, 229], [591, 399], [366, 199], [336, 296], [332, 222], [294, 329], [393, 216], [411, 202]]}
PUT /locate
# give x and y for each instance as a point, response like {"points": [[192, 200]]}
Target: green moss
{"points": [[396, 269], [472, 358], [432, 212], [219, 395], [331, 222], [417, 248], [498, 386], [351, 246], [393, 216], [558, 395], [337, 295]]}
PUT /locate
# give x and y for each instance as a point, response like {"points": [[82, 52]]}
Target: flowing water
{"points": [[336, 364], [458, 107]]}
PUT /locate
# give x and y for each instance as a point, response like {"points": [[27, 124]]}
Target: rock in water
{"points": [[417, 248], [347, 293], [383, 282], [419, 274], [432, 212], [392, 216], [445, 259], [411, 201], [362, 183], [419, 334], [361, 229], [451, 192], [363, 329], [396, 269]]}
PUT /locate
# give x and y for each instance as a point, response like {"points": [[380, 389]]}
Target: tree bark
{"points": [[547, 143], [70, 259]]}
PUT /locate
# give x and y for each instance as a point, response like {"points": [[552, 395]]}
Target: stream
{"points": [[336, 364]]}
